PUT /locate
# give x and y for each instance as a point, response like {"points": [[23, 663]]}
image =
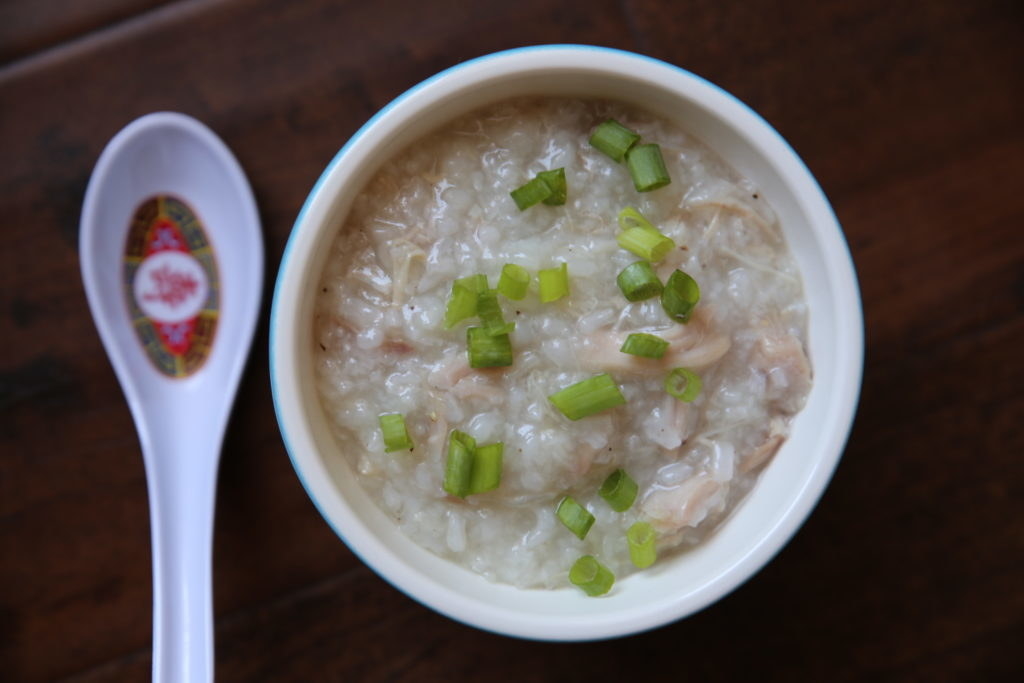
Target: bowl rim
{"points": [[471, 612]]}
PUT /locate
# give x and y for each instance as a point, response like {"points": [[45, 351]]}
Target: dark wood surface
{"points": [[910, 114]]}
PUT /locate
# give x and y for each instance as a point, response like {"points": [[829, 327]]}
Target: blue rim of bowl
{"points": [[857, 350]]}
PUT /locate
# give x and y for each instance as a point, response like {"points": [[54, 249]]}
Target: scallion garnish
{"points": [[645, 345], [533, 192], [396, 436], [488, 350], [684, 384], [462, 302], [555, 180], [588, 397], [645, 243], [592, 576], [575, 517], [619, 490], [459, 466], [486, 474], [632, 218], [614, 139], [647, 167], [489, 312], [554, 283], [471, 469], [680, 296], [641, 538], [547, 186], [514, 281], [638, 281], [461, 305]]}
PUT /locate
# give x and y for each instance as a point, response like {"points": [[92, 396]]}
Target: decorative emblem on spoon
{"points": [[171, 284]]}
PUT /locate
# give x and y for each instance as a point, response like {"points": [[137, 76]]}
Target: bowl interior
{"points": [[788, 488]]}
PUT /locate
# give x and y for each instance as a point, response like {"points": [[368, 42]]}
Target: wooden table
{"points": [[911, 116]]}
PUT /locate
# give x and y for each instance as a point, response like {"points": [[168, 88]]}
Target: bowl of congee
{"points": [[566, 343]]}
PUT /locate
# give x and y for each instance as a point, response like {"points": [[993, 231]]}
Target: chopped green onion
{"points": [[488, 350], [647, 168], [514, 281], [555, 180], [575, 517], [631, 218], [588, 397], [525, 196], [554, 283], [459, 466], [489, 311], [592, 576], [684, 384], [638, 281], [645, 243], [645, 345], [486, 474], [547, 186], [462, 303], [470, 469], [396, 436], [477, 283], [619, 490], [680, 296], [641, 539], [614, 139]]}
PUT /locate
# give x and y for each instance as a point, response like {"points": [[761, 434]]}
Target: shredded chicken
{"points": [[449, 372], [686, 505], [762, 454], [744, 212], [404, 254], [787, 371], [694, 345], [479, 386]]}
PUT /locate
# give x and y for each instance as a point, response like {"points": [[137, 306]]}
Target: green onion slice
{"points": [[554, 283], [647, 168], [514, 281], [536, 190], [644, 345], [638, 281], [619, 490], [462, 302], [458, 468], [396, 436], [489, 311], [680, 296], [588, 397], [488, 350], [486, 474], [575, 517], [555, 180], [684, 384], [592, 576], [645, 243], [641, 538], [614, 139], [632, 218]]}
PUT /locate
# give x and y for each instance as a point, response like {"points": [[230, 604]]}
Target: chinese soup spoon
{"points": [[172, 262]]}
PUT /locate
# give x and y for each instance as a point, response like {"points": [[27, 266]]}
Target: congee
{"points": [[519, 437]]}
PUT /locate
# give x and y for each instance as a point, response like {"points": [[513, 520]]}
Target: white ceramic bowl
{"points": [[788, 488]]}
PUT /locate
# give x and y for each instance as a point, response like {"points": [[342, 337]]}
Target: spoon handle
{"points": [[182, 477]]}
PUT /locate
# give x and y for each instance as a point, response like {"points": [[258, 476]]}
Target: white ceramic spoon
{"points": [[172, 260]]}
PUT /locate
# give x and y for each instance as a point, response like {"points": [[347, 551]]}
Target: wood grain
{"points": [[909, 114]]}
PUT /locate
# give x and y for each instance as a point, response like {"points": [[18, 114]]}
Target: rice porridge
{"points": [[440, 211]]}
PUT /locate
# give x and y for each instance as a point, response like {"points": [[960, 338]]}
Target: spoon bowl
{"points": [[172, 262]]}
